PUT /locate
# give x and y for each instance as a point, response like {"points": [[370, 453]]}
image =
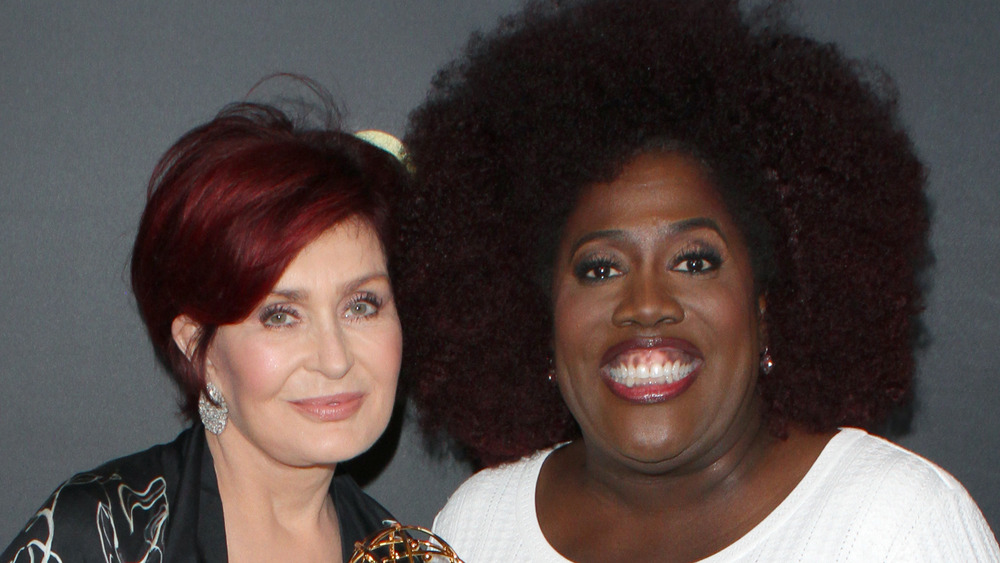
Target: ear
{"points": [[185, 331], [762, 319]]}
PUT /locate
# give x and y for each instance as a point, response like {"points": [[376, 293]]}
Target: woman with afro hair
{"points": [[661, 274]]}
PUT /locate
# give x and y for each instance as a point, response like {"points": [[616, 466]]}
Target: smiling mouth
{"points": [[650, 370], [331, 408]]}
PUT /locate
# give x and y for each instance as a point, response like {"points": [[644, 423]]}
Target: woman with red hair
{"points": [[260, 270]]}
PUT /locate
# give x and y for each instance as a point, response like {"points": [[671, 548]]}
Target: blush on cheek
{"points": [[270, 361], [250, 367], [383, 352]]}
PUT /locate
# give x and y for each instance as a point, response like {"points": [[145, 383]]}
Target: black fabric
{"points": [[359, 515], [158, 506]]}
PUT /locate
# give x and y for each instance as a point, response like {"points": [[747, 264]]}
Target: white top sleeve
{"points": [[864, 499]]}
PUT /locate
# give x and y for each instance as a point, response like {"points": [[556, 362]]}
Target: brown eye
{"points": [[602, 272], [596, 270], [693, 265], [698, 261]]}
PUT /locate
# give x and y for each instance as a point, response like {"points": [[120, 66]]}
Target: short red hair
{"points": [[229, 206]]}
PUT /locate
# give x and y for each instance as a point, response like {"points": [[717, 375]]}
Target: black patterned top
{"points": [[157, 506]]}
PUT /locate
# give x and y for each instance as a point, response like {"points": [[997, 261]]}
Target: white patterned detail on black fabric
{"points": [[129, 527]]}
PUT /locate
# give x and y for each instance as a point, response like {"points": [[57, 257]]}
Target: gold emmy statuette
{"points": [[403, 543]]}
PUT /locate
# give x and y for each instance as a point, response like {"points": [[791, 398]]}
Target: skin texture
{"points": [[328, 329], [804, 144], [654, 256]]}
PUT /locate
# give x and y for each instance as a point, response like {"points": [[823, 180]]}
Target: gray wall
{"points": [[90, 97]]}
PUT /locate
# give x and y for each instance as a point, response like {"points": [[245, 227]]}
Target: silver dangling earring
{"points": [[551, 374], [766, 362], [213, 417]]}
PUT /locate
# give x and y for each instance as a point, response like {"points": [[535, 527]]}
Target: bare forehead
{"points": [[654, 187]]}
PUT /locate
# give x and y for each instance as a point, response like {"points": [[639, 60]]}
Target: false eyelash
{"points": [[367, 297], [584, 267], [271, 310], [701, 252]]}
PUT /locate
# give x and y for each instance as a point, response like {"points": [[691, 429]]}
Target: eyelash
{"points": [[271, 310], [704, 254], [368, 298], [700, 253], [590, 265]]}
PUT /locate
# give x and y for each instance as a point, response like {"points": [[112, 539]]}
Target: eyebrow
{"points": [[674, 228], [300, 295]]}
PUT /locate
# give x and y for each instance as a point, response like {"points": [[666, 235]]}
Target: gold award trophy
{"points": [[409, 544]]}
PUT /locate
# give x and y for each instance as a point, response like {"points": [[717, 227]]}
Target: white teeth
{"points": [[651, 374]]}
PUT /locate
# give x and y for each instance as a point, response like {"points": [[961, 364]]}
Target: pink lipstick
{"points": [[330, 408]]}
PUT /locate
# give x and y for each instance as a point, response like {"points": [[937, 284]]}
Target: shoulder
{"points": [[890, 497], [493, 489], [885, 468], [88, 514], [110, 505], [167, 458], [495, 503]]}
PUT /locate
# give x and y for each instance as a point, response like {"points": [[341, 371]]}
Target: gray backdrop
{"points": [[90, 97]]}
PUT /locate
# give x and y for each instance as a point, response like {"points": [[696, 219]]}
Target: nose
{"points": [[647, 300], [332, 354]]}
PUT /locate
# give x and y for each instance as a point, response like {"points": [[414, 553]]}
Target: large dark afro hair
{"points": [[814, 167]]}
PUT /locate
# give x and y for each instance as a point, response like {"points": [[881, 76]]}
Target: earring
{"points": [[766, 362], [551, 374], [214, 413]]}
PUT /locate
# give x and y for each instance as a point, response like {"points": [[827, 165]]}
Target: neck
{"points": [[689, 506], [258, 489], [677, 486]]}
